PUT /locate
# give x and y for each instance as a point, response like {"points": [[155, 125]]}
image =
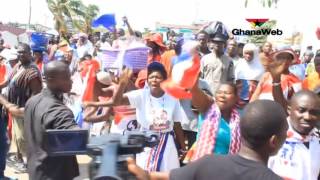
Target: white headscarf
{"points": [[252, 70]]}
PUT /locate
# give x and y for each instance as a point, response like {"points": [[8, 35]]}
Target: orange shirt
{"points": [[166, 61], [312, 82], [40, 64], [3, 72], [152, 58], [289, 84]]}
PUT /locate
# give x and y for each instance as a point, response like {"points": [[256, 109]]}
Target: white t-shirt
{"points": [[155, 114], [295, 160], [124, 120], [84, 49]]}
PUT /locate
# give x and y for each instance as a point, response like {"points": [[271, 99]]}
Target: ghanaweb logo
{"points": [[257, 26], [257, 22]]}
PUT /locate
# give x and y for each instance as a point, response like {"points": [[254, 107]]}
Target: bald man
{"points": [[262, 132], [299, 157], [47, 111]]}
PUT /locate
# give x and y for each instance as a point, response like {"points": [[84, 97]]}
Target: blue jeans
{"points": [[3, 145]]}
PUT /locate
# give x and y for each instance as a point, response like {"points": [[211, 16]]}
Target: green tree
{"points": [[74, 12], [91, 11], [261, 39], [264, 3]]}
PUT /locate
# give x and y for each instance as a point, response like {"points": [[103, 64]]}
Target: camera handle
{"points": [[108, 168]]}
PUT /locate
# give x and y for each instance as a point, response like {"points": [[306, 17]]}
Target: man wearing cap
{"points": [[3, 69], [8, 59], [289, 83], [216, 67], [4, 75]]}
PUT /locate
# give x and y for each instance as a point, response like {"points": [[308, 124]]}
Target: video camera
{"points": [[108, 152]]}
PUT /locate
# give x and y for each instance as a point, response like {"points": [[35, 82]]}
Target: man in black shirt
{"points": [[47, 111], [263, 131]]}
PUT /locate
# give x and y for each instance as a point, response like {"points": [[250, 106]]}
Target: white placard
{"points": [[136, 58], [108, 57]]}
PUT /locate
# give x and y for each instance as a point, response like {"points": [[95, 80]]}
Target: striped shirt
{"points": [[19, 85]]}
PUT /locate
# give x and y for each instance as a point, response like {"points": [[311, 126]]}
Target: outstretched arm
{"points": [[12, 108], [125, 20], [118, 98], [200, 100], [144, 175], [276, 69]]}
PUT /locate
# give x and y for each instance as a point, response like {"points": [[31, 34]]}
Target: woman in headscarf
{"points": [[156, 112], [248, 73]]}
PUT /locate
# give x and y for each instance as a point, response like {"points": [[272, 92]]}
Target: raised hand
{"points": [[276, 68], [125, 19], [125, 76]]}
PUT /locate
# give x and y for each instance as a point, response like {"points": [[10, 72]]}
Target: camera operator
{"points": [[47, 111]]}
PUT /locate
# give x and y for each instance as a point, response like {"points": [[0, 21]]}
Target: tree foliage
{"points": [[72, 11], [261, 39], [264, 3]]}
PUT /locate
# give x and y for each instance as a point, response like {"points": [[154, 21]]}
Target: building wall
{"points": [[9, 38], [24, 38]]}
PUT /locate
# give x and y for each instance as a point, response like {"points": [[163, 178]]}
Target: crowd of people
{"points": [[254, 111]]}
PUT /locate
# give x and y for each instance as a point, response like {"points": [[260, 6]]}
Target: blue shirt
{"points": [[223, 138], [223, 135]]}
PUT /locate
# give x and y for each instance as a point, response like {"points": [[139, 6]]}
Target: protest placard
{"points": [[136, 58], [108, 57]]}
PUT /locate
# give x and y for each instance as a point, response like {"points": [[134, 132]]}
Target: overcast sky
{"points": [[169, 11], [302, 15]]}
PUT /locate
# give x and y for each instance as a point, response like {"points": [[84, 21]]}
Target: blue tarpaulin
{"points": [[39, 42]]}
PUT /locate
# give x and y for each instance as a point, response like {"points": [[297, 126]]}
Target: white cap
{"points": [[104, 78], [9, 54]]}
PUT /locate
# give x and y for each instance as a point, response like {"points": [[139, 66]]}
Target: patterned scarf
{"points": [[209, 129], [156, 154]]}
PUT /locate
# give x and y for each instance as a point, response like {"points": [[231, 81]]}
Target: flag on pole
{"points": [[107, 20]]}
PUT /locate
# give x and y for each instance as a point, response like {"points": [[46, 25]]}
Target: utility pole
{"points": [[29, 21]]}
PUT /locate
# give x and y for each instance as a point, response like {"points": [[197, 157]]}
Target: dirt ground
{"points": [[83, 161]]}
